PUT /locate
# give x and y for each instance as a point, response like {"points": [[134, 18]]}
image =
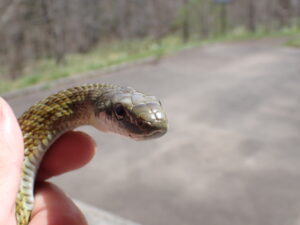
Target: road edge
{"points": [[76, 77]]}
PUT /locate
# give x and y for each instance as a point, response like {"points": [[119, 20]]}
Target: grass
{"points": [[103, 56], [294, 42], [113, 53], [242, 34]]}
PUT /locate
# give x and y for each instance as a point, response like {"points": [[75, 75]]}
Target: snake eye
{"points": [[119, 111]]}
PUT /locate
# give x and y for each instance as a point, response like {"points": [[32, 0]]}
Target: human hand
{"points": [[52, 206]]}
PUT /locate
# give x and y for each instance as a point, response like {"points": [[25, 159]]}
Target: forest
{"points": [[35, 29]]}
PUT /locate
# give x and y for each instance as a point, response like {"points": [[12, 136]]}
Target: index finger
{"points": [[71, 151]]}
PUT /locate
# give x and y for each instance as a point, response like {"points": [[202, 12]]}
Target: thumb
{"points": [[11, 155]]}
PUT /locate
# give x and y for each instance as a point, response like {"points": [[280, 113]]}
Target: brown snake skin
{"points": [[109, 108]]}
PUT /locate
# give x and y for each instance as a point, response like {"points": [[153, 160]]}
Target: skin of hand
{"points": [[52, 206]]}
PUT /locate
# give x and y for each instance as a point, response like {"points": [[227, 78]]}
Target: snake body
{"points": [[109, 108]]}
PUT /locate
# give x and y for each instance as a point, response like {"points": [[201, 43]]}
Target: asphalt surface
{"points": [[232, 154]]}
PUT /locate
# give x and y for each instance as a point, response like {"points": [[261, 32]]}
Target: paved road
{"points": [[232, 155]]}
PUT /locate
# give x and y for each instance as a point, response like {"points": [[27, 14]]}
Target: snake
{"points": [[107, 107]]}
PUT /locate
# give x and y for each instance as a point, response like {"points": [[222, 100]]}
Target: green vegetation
{"points": [[294, 41], [242, 34], [103, 56], [113, 53]]}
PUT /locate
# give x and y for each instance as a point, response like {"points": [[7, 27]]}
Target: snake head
{"points": [[133, 114]]}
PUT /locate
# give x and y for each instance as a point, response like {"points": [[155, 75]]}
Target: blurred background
{"points": [[227, 73], [37, 36]]}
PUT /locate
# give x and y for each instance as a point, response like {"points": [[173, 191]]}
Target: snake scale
{"points": [[109, 108]]}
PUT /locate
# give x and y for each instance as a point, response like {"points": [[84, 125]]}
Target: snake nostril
{"points": [[140, 123]]}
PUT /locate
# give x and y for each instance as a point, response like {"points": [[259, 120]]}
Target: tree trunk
{"points": [[251, 16], [186, 22], [223, 17]]}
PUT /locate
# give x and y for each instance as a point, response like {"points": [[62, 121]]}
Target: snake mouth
{"points": [[157, 133], [150, 135]]}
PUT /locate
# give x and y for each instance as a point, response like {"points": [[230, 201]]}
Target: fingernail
{"points": [[2, 109], [4, 116], [8, 122], [10, 133]]}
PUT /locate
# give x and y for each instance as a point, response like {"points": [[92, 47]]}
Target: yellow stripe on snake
{"points": [[109, 108]]}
